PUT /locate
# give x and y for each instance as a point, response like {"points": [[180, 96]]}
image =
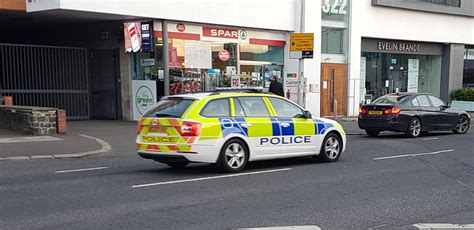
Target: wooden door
{"points": [[333, 89]]}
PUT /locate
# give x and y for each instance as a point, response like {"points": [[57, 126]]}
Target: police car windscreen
{"points": [[170, 107]]}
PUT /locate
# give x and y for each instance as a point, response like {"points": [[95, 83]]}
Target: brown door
{"points": [[333, 89]]}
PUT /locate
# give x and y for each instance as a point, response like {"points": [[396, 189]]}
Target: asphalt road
{"points": [[376, 184]]}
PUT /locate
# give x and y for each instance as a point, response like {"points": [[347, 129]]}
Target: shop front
{"points": [[468, 74], [207, 58], [390, 66]]}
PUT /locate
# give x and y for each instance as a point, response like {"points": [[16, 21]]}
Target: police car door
{"points": [[254, 117], [297, 132]]}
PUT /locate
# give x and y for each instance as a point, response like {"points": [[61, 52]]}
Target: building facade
{"points": [[100, 69]]}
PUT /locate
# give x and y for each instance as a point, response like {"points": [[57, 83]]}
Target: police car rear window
{"points": [[170, 107]]}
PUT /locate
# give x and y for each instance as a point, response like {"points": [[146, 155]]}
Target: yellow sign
{"points": [[302, 42]]}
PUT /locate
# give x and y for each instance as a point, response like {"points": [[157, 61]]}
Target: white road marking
{"points": [[443, 226], [303, 227], [81, 170], [29, 139], [429, 139], [413, 155], [210, 178]]}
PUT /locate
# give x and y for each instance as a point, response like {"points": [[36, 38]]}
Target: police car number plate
{"points": [[375, 112], [157, 129]]}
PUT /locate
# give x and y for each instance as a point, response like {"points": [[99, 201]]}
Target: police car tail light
{"points": [[190, 129], [394, 110]]}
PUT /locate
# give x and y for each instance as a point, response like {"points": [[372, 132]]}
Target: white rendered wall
{"points": [[399, 24], [265, 14]]}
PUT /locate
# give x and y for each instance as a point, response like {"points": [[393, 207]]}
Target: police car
{"points": [[229, 129]]}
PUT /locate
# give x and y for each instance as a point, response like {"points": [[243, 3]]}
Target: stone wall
{"points": [[30, 120]]}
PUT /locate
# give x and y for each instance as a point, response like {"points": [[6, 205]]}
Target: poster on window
{"points": [[413, 70], [144, 97], [235, 81], [197, 55], [132, 35], [291, 87], [363, 73]]}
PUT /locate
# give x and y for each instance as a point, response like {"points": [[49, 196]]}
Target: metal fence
{"points": [[46, 76]]}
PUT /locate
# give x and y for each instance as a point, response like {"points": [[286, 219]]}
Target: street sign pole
{"points": [[300, 60]]}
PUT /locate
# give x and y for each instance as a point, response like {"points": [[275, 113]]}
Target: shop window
{"points": [[468, 76], [455, 3], [144, 66], [390, 73], [250, 52]]}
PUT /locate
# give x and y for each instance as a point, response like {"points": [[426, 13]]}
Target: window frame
{"points": [[424, 95], [263, 101], [289, 102], [216, 99]]}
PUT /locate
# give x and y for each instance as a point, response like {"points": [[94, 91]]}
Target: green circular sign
{"points": [[144, 99]]}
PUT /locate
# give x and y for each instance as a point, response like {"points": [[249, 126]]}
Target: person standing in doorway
{"points": [[275, 86]]}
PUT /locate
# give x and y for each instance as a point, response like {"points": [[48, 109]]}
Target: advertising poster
{"points": [[144, 97], [413, 70], [235, 81], [132, 35], [197, 55], [291, 87], [147, 36]]}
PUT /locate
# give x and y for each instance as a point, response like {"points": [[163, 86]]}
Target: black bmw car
{"points": [[411, 113]]}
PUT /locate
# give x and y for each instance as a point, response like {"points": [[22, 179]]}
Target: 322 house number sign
{"points": [[335, 6]]}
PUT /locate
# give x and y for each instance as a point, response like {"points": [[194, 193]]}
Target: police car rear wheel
{"points": [[331, 148], [233, 157]]}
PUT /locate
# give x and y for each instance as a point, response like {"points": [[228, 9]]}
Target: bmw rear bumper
{"points": [[385, 123]]}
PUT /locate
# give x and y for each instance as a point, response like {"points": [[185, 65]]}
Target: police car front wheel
{"points": [[331, 148], [233, 156]]}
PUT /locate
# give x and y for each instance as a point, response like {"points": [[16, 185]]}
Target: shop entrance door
{"points": [[333, 89]]}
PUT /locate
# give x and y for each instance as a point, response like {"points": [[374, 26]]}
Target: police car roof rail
{"points": [[243, 90]]}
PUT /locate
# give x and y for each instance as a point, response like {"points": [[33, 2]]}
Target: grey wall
{"points": [[466, 9], [452, 69]]}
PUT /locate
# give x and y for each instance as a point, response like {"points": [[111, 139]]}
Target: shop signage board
{"points": [[144, 97], [301, 45], [197, 55], [147, 37], [291, 89], [413, 69], [132, 34]]}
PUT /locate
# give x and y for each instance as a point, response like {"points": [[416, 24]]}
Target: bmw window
{"points": [[423, 100], [286, 109], [436, 101]]}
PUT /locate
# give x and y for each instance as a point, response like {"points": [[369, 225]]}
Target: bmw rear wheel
{"points": [[414, 128], [331, 148], [463, 125], [233, 156]]}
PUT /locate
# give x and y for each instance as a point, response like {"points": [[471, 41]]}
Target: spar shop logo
{"points": [[144, 99]]}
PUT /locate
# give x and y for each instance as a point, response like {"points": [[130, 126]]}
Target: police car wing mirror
{"points": [[307, 114]]}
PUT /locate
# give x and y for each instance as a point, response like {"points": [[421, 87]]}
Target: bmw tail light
{"points": [[394, 110], [190, 129], [363, 111]]}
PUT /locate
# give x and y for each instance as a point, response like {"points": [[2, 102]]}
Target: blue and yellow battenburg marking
{"points": [[273, 127]]}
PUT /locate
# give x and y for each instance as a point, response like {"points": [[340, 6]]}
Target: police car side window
{"points": [[217, 108], [239, 111], [285, 109], [254, 106]]}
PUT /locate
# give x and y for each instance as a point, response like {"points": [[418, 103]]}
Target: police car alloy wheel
{"points": [[463, 125], [233, 157], [414, 128], [331, 148]]}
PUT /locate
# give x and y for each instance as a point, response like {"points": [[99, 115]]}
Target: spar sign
{"points": [[144, 97]]}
